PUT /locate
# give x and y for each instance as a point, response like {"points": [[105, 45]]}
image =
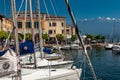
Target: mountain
{"points": [[104, 26]]}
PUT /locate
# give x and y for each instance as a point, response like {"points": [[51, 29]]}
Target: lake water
{"points": [[105, 63]]}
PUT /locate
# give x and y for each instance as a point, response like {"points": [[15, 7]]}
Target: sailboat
{"points": [[109, 45], [48, 74], [116, 48], [42, 61]]}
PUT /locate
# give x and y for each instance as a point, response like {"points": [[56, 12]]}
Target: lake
{"points": [[105, 63]]}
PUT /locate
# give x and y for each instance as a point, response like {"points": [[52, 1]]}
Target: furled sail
{"points": [[8, 62]]}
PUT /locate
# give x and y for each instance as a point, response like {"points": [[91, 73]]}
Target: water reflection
{"points": [[105, 63]]}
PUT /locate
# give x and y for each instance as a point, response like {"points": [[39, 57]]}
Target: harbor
{"points": [[59, 40]]}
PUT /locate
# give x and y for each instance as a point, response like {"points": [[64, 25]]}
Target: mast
{"points": [[113, 32], [80, 39], [16, 39], [40, 29], [25, 21], [32, 30]]}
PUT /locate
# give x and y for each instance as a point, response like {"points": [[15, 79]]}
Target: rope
{"points": [[19, 8], [6, 42], [4, 7], [46, 8], [58, 20], [80, 39], [47, 11]]}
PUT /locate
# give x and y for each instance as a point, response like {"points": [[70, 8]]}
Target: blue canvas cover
{"points": [[2, 52], [47, 50], [26, 48]]}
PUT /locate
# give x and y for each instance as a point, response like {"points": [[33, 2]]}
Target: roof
{"points": [[47, 16], [2, 16]]}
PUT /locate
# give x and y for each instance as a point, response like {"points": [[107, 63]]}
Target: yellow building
{"points": [[22, 25], [5, 24], [70, 30], [52, 25]]}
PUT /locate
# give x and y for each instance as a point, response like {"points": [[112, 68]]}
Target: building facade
{"points": [[54, 25], [51, 25], [5, 24], [69, 31]]}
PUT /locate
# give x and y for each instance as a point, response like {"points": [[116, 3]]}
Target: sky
{"points": [[82, 9]]}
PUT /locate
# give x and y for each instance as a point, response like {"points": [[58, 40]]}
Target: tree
{"points": [[91, 37], [103, 38], [11, 37], [45, 36], [60, 37], [100, 37], [28, 36], [3, 35], [74, 37]]}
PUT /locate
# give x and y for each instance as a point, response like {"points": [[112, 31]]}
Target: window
{"points": [[36, 15], [19, 24], [67, 30], [49, 24], [62, 24], [54, 24], [54, 31], [28, 15], [50, 32], [28, 25], [62, 31], [36, 24]]}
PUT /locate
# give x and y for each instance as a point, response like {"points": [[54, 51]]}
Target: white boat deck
{"points": [[45, 63], [49, 74]]}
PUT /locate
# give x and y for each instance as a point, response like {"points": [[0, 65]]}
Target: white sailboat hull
{"points": [[66, 47], [43, 63], [55, 74], [108, 45], [74, 47], [49, 74], [116, 48]]}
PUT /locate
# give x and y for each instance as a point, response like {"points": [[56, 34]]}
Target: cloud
{"points": [[85, 19], [108, 18], [113, 19], [100, 17]]}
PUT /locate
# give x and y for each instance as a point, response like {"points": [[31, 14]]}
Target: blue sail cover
{"points": [[2, 52], [47, 50], [26, 48]]}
